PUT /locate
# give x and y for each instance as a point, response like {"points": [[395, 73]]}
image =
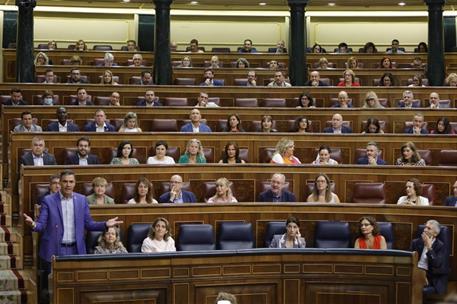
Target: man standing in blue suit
{"points": [[64, 216]]}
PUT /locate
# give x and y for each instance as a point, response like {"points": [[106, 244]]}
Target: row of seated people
{"points": [[354, 64], [304, 100], [176, 191], [368, 234], [283, 153], [196, 124]]}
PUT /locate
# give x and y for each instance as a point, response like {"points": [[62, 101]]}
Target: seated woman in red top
{"points": [[369, 236], [348, 79]]}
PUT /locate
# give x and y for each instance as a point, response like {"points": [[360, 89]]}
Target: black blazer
{"points": [[438, 263], [48, 159], [92, 159]]}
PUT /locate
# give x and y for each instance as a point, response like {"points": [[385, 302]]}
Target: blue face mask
{"points": [[48, 101]]}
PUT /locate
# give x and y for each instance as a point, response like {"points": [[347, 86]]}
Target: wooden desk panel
{"points": [[261, 277], [247, 179]]}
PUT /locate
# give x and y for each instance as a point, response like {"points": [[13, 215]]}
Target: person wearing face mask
{"points": [[292, 238], [62, 124], [47, 99]]}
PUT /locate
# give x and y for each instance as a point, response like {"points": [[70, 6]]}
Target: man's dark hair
{"points": [[16, 90], [66, 173], [25, 113], [83, 138]]}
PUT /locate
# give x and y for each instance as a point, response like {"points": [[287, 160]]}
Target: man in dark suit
{"points": [[451, 201], [209, 81], [418, 125], [372, 157], [176, 195], [62, 124], [277, 193], [247, 47], [82, 157], [99, 124], [82, 98], [63, 219], [16, 98], [75, 77], [38, 156], [337, 126], [433, 258], [315, 80], [150, 100]]}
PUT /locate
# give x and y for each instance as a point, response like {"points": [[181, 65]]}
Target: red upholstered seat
{"points": [[369, 193], [448, 158], [246, 102]]}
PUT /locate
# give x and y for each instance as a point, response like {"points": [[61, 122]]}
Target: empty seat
{"points": [[103, 47], [209, 154], [92, 240], [271, 229], [386, 230], [369, 193], [426, 155], [42, 46], [135, 80], [325, 80], [240, 81], [39, 192], [195, 237], [428, 190], [220, 50], [136, 235], [330, 234], [448, 158], [176, 102], [246, 102], [274, 102], [235, 235], [266, 154], [215, 99], [444, 104], [184, 81], [164, 125], [128, 191], [102, 100]]}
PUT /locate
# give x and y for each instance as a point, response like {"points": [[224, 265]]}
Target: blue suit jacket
{"points": [[188, 128], [74, 159], [50, 224], [54, 127], [286, 196], [438, 264], [344, 130], [409, 130], [142, 103], [90, 127], [187, 197], [364, 161], [48, 159], [216, 83], [451, 201]]}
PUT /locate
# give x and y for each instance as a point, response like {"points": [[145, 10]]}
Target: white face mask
{"points": [[48, 101]]}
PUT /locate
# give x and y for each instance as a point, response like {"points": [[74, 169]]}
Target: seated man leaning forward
{"points": [[176, 195], [372, 157], [277, 193], [195, 125], [433, 258]]}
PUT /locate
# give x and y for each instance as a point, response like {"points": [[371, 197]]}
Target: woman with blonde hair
{"points": [[107, 78], [372, 101], [159, 237], [284, 153], [99, 197], [223, 192], [352, 63], [322, 192], [130, 124], [322, 63], [110, 242], [76, 60], [194, 153], [451, 80], [41, 59], [348, 79]]}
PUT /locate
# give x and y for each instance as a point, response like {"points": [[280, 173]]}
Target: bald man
{"points": [[277, 193], [337, 126], [176, 195], [315, 80]]}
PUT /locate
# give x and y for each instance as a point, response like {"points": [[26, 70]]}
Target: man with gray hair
{"points": [[434, 258], [372, 156], [276, 193]]}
